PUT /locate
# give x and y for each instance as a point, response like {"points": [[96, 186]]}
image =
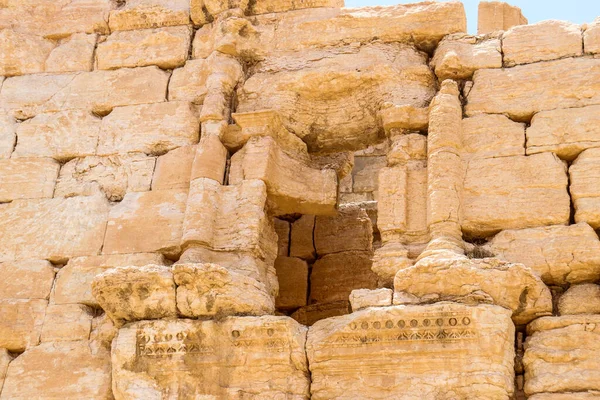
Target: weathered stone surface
{"points": [[211, 158], [22, 53], [493, 136], [74, 280], [458, 56], [165, 47], [277, 6], [487, 281], [559, 254], [351, 229], [554, 357], [282, 228], [7, 134], [364, 298], [5, 359], [173, 170], [315, 312], [404, 117], [498, 16], [580, 299], [210, 290], [53, 229], [292, 274], [302, 244], [591, 395], [97, 91], [431, 351], [142, 14], [27, 178], [21, 323], [73, 54], [388, 260], [537, 186], [216, 7], [591, 37], [365, 171], [335, 276], [546, 40], [585, 178], [197, 14], [134, 293], [146, 222], [261, 357], [75, 373], [66, 322], [522, 91], [62, 135], [30, 279], [392, 201]]}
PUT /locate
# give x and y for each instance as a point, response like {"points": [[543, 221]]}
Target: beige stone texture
{"points": [[282, 228], [584, 176], [147, 222], [277, 6], [458, 56], [364, 298], [8, 137], [21, 323], [522, 91], [301, 239], [165, 47], [388, 260], [27, 178], [173, 169], [561, 355], [5, 359], [103, 332], [365, 171], [129, 294], [260, 356], [475, 281], [351, 229], [62, 135], [74, 280], [559, 254], [543, 41], [197, 14], [149, 128], [67, 322], [392, 205], [210, 290], [73, 54], [26, 279], [59, 370], [591, 37], [315, 312], [335, 276], [97, 91], [22, 53], [142, 14], [580, 299], [435, 351], [403, 117], [566, 396], [498, 16], [211, 158], [292, 274], [53, 229], [537, 186], [216, 7], [293, 186], [488, 136]]}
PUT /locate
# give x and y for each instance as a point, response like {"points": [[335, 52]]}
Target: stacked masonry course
{"points": [[210, 199]]}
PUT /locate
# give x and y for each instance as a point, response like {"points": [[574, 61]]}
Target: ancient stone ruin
{"points": [[289, 199]]}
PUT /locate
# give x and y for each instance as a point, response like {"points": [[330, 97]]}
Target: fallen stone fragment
{"points": [[580, 299], [365, 298], [21, 323], [143, 14], [30, 279], [27, 178]]}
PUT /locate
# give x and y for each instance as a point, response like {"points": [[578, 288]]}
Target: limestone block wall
{"points": [[292, 199]]}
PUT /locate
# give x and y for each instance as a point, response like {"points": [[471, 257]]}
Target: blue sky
{"points": [[578, 11]]}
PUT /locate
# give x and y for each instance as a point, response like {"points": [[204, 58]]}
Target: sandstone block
{"points": [[62, 135], [210, 160], [365, 171], [277, 6], [585, 178], [591, 37], [591, 395], [146, 222], [216, 7], [173, 170], [142, 14], [430, 350], [74, 280], [165, 47], [580, 299], [261, 357], [210, 290], [68, 370], [351, 229], [22, 53], [112, 176], [403, 117], [388, 260], [522, 91], [197, 14], [31, 279], [458, 56], [53, 229], [315, 312], [364, 298], [477, 281], [292, 274], [66, 323], [493, 136], [21, 323], [7, 134], [537, 187], [546, 40], [134, 293], [498, 16], [392, 200], [283, 237], [301, 239], [5, 359], [559, 254], [73, 54], [554, 360], [335, 276], [27, 178]]}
